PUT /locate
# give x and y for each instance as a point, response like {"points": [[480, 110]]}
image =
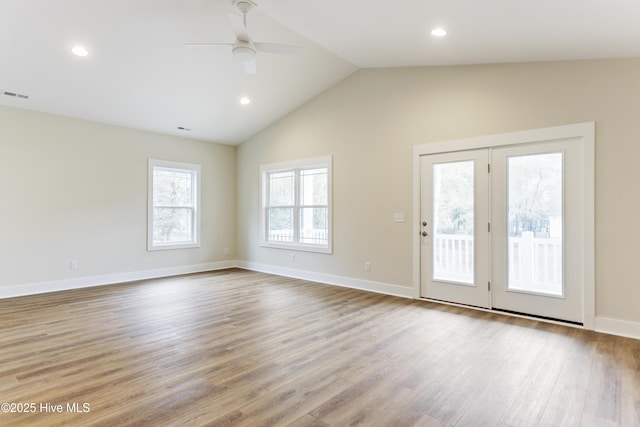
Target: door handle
{"points": [[424, 234]]}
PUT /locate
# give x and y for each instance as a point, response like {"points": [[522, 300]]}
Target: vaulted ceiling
{"points": [[138, 73]]}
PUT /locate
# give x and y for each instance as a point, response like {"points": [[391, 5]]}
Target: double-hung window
{"points": [[296, 200], [174, 202]]}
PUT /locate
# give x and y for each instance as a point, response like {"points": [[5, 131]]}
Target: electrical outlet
{"points": [[227, 251], [73, 264], [367, 266], [292, 257]]}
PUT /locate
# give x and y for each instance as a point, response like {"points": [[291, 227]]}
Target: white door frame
{"points": [[585, 132]]}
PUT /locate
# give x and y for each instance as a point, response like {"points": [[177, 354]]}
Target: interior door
{"points": [[454, 227], [537, 229]]}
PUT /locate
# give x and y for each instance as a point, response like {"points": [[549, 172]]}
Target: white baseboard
{"points": [[329, 279], [623, 328], [108, 279], [602, 324]]}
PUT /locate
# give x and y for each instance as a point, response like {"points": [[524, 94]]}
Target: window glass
{"points": [[173, 211], [281, 188], [297, 205], [313, 186]]}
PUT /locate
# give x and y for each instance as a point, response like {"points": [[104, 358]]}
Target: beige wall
{"points": [[73, 189], [370, 122], [77, 190]]}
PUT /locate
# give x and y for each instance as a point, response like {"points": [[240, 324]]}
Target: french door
{"points": [[454, 227], [501, 228], [537, 235]]}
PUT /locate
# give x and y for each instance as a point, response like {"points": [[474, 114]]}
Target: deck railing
{"points": [[453, 257], [307, 236], [535, 264]]}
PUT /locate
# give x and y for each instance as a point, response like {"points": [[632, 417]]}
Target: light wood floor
{"points": [[239, 348]]}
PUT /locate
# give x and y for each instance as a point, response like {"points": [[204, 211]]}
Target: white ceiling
{"points": [[139, 74]]}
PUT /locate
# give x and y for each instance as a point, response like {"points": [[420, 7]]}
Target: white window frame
{"points": [[194, 170], [297, 166]]}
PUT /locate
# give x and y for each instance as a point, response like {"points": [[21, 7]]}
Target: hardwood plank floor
{"points": [[240, 348]]}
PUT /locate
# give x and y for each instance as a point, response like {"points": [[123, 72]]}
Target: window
{"points": [[297, 205], [174, 201]]}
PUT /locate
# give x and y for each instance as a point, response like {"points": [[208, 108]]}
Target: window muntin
{"points": [[173, 205], [296, 205]]}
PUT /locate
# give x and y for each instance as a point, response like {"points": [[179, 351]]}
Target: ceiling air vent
{"points": [[14, 94]]}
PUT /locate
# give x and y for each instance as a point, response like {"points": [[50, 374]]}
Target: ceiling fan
{"points": [[244, 48]]}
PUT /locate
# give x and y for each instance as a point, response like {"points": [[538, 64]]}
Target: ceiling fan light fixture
{"points": [[244, 49], [244, 53]]}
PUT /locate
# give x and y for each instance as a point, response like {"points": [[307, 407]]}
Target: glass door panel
{"points": [[535, 223], [453, 222]]}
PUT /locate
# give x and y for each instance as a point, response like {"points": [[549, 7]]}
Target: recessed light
{"points": [[245, 101], [79, 51], [438, 32]]}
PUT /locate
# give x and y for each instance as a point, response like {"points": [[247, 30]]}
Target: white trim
{"points": [[586, 131], [589, 219], [112, 279], [605, 325], [623, 328], [329, 279], [194, 170], [108, 279], [319, 162]]}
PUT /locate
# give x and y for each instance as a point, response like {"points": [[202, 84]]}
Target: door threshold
{"points": [[536, 317], [551, 320]]}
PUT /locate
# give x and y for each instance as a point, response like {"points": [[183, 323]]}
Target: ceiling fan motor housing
{"points": [[244, 50]]}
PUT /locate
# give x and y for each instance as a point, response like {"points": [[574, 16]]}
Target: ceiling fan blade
{"points": [[249, 67], [278, 48], [207, 44], [239, 24]]}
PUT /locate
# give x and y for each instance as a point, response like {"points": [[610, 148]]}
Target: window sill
{"points": [[297, 247], [172, 246]]}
